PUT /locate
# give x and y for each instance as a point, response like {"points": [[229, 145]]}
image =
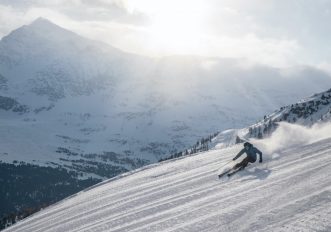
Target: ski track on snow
{"points": [[292, 193]]}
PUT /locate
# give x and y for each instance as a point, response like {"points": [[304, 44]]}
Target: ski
{"points": [[235, 171], [220, 175]]}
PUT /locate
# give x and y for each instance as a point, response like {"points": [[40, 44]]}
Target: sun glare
{"points": [[176, 27]]}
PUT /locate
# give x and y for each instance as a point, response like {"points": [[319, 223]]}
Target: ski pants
{"points": [[244, 162]]}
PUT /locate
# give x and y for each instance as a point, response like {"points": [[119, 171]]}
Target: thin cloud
{"points": [[84, 10], [268, 32]]}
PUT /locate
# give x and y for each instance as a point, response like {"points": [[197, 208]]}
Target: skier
{"points": [[251, 152]]}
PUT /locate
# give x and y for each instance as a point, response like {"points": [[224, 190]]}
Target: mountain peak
{"points": [[40, 27], [42, 21], [43, 24]]}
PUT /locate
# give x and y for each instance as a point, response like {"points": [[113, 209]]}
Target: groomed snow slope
{"points": [[291, 191]]}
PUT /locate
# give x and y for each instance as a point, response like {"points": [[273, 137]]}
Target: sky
{"points": [[279, 33]]}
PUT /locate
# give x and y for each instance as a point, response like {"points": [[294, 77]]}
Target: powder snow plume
{"points": [[292, 135]]}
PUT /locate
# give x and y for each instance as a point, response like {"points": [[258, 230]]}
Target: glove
{"points": [[260, 160]]}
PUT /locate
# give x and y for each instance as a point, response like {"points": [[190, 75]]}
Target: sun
{"points": [[176, 27]]}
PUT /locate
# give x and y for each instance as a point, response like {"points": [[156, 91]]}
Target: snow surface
{"points": [[290, 191]]}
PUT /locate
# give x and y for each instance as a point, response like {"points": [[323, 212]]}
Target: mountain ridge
{"points": [[306, 112]]}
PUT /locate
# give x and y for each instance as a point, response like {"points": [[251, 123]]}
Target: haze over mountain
{"points": [[69, 100]]}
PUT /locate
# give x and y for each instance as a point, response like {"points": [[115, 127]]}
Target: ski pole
{"points": [[225, 164]]}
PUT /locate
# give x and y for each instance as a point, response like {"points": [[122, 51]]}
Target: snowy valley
{"points": [[74, 112]]}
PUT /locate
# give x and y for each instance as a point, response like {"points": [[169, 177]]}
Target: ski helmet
{"points": [[247, 144]]}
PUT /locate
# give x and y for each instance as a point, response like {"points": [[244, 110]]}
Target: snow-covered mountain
{"points": [[47, 60], [307, 112], [290, 191], [73, 109], [67, 101]]}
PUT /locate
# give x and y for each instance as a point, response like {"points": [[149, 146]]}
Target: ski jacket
{"points": [[251, 152]]}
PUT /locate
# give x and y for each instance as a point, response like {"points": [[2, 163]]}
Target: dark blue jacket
{"points": [[251, 152]]}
